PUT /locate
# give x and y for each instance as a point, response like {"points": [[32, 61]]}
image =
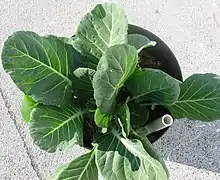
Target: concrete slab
{"points": [[15, 163], [189, 28], [193, 143], [183, 172]]}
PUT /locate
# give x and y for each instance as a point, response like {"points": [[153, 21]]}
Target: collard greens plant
{"points": [[90, 90]]}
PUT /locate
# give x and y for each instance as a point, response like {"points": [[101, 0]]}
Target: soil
{"points": [[148, 61], [88, 132]]}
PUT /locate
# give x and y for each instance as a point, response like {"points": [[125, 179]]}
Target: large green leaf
{"points": [[27, 105], [81, 168], [121, 158], [140, 42], [153, 86], [151, 150], [40, 66], [83, 83], [105, 26], [53, 128], [199, 98], [123, 113], [101, 119], [114, 68]]}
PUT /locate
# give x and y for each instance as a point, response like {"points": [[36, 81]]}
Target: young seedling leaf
{"points": [[40, 66], [27, 105], [115, 67], [199, 98], [101, 119], [121, 158], [81, 168], [153, 85], [82, 80], [140, 42], [53, 128], [151, 150], [123, 112], [105, 26]]}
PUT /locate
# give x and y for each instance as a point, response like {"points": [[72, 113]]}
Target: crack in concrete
{"points": [[12, 116]]}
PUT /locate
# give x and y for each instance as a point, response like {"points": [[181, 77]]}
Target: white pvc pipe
{"points": [[159, 124]]}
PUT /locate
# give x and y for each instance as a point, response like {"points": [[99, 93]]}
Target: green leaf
{"points": [[27, 105], [199, 98], [78, 57], [153, 86], [101, 119], [114, 68], [83, 83], [81, 168], [123, 113], [139, 114], [121, 158], [53, 128], [67, 40], [140, 42], [41, 67], [151, 150], [105, 26]]}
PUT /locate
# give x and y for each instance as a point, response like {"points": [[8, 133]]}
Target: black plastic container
{"points": [[167, 63]]}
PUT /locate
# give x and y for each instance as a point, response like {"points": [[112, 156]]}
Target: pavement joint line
{"points": [[12, 117]]}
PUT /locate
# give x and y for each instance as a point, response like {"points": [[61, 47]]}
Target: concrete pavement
{"points": [[190, 28]]}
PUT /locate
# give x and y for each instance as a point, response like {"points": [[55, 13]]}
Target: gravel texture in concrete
{"points": [[193, 143], [183, 172], [190, 28], [15, 163]]}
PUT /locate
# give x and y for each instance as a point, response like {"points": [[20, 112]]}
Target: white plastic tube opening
{"points": [[159, 124], [167, 120]]}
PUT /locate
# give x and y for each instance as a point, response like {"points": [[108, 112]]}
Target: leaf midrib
{"points": [[196, 100], [115, 133], [146, 93], [110, 38], [122, 79], [111, 30], [39, 62], [64, 122], [87, 164]]}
